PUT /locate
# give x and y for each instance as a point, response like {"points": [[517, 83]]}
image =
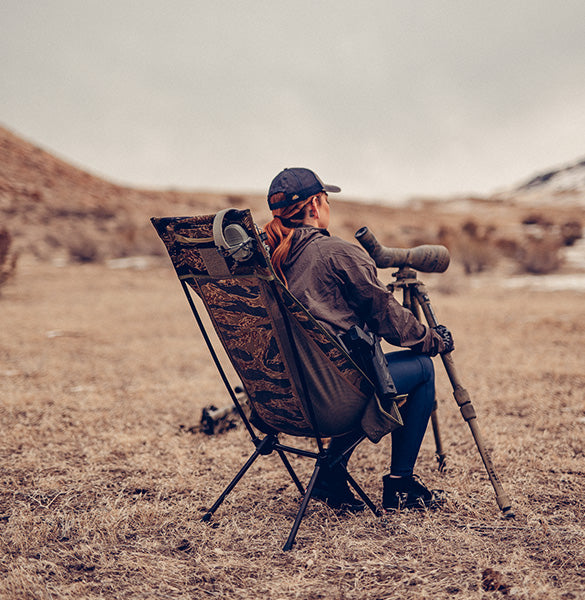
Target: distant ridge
{"points": [[563, 179]]}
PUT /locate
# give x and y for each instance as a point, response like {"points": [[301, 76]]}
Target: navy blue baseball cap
{"points": [[296, 184]]}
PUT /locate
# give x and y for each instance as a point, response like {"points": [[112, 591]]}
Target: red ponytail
{"points": [[279, 231]]}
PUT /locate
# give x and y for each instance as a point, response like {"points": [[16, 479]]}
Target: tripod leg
{"points": [[410, 301], [439, 451], [467, 410], [468, 413]]}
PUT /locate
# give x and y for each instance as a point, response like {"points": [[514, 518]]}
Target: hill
{"points": [[52, 207], [56, 211], [560, 185]]}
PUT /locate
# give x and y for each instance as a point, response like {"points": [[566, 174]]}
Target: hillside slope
{"points": [[51, 206]]}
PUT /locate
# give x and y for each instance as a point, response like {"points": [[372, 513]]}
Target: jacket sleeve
{"points": [[378, 308]]}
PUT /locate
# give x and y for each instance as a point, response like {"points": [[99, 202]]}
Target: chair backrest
{"points": [[294, 372]]}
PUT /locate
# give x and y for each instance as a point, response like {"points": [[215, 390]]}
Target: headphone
{"points": [[233, 239]]}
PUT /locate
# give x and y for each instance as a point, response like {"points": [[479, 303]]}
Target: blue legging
{"points": [[413, 374]]}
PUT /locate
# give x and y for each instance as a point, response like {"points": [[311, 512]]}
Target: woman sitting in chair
{"points": [[337, 282]]}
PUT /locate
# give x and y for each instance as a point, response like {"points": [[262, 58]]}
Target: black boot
{"points": [[409, 492], [332, 488]]}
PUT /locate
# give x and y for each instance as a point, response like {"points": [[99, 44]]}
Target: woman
{"points": [[337, 282]]}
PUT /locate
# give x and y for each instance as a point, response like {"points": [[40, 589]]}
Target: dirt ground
{"points": [[105, 476]]}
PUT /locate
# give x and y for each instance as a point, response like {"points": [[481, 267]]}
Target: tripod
{"points": [[416, 299]]}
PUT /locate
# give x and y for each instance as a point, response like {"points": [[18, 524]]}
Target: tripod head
{"points": [[426, 258]]}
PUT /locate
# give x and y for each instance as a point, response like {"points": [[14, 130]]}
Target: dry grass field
{"points": [[104, 475]]}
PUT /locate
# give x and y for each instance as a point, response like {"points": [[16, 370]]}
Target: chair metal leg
{"points": [[362, 494], [207, 516], [307, 497], [338, 461], [263, 447], [291, 471]]}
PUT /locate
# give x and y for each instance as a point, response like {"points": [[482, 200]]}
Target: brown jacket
{"points": [[337, 282]]}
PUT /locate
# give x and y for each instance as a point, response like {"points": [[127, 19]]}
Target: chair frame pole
{"points": [[302, 509], [216, 360], [259, 451]]}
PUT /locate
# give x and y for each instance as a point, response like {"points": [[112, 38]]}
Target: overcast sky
{"points": [[385, 98]]}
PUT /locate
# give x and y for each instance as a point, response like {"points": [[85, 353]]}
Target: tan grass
{"points": [[103, 374]]}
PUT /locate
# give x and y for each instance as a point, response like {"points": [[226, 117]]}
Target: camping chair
{"points": [[292, 370]]}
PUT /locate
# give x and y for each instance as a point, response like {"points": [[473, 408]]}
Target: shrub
{"points": [[135, 240], [8, 258], [537, 219], [470, 228], [571, 231], [508, 247], [476, 255], [83, 249], [233, 201], [471, 246], [541, 256]]}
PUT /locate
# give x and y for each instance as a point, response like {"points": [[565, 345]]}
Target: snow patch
{"points": [[547, 283]]}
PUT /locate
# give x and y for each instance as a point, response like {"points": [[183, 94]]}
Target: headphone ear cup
{"points": [[234, 235], [218, 228], [232, 238], [241, 244]]}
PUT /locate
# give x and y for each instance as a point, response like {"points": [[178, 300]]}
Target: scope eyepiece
{"points": [[426, 258]]}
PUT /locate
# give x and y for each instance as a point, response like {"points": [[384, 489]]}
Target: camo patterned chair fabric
{"points": [[291, 368]]}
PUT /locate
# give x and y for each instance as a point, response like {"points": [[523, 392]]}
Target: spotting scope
{"points": [[426, 258]]}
